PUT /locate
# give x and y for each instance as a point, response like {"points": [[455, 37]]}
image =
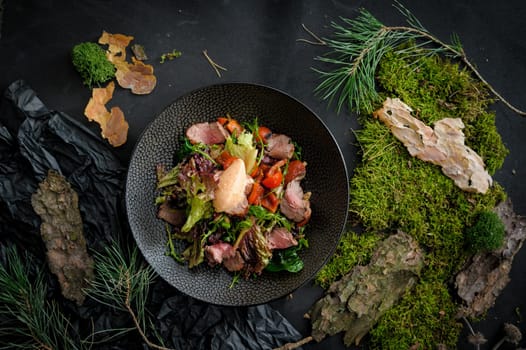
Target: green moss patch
{"points": [[353, 249], [425, 316], [390, 190]]}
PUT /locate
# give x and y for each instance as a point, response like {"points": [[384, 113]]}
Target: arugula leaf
{"points": [[266, 218], [188, 148]]}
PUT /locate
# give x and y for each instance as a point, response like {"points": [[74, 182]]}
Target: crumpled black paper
{"points": [[34, 139], [191, 324]]}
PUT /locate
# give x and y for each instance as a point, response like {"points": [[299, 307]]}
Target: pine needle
{"points": [[122, 282], [28, 320], [214, 65], [359, 44], [318, 40]]}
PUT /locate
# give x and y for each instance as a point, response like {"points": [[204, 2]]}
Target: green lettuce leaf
{"points": [[243, 147], [200, 208]]}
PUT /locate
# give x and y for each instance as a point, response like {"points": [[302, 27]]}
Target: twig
{"points": [[318, 41], [292, 346], [214, 65], [472, 331], [358, 48], [469, 325], [134, 317], [462, 56]]}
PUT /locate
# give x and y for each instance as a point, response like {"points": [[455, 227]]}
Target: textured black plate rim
{"points": [[321, 124]]}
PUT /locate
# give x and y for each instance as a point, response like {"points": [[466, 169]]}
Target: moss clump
{"points": [[353, 249], [391, 190], [425, 316], [90, 61], [486, 234]]}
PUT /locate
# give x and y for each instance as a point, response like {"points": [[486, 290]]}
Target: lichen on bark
{"points": [[61, 229], [357, 301], [486, 274], [442, 145]]}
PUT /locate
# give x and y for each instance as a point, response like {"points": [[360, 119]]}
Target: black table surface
{"points": [[257, 42]]}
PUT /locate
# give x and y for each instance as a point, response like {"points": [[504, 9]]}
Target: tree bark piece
{"points": [[486, 274], [57, 205], [442, 145], [355, 303]]}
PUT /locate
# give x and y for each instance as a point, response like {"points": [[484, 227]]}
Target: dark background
{"points": [[257, 42]]}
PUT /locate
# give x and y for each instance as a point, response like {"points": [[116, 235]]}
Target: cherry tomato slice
{"points": [[263, 134], [273, 180], [234, 127], [274, 176], [225, 159]]}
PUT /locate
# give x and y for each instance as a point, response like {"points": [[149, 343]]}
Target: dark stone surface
{"points": [[257, 42]]}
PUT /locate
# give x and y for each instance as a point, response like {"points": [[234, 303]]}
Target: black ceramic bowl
{"points": [[326, 179]]}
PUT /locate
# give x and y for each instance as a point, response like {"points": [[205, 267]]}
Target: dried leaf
{"points": [[116, 130], [486, 274], [117, 44], [443, 145], [355, 303], [114, 126], [138, 76], [96, 108], [57, 205]]}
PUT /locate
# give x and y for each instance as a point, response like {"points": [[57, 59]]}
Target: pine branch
{"points": [[359, 45], [122, 282], [28, 320]]}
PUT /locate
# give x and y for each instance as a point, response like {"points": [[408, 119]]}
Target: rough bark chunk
{"points": [[57, 205], [443, 145], [486, 274], [355, 303]]}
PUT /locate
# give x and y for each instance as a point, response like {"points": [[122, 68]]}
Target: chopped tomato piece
{"points": [[273, 180], [256, 172], [263, 134], [256, 194], [222, 120], [274, 176], [234, 127], [270, 202], [225, 159]]}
